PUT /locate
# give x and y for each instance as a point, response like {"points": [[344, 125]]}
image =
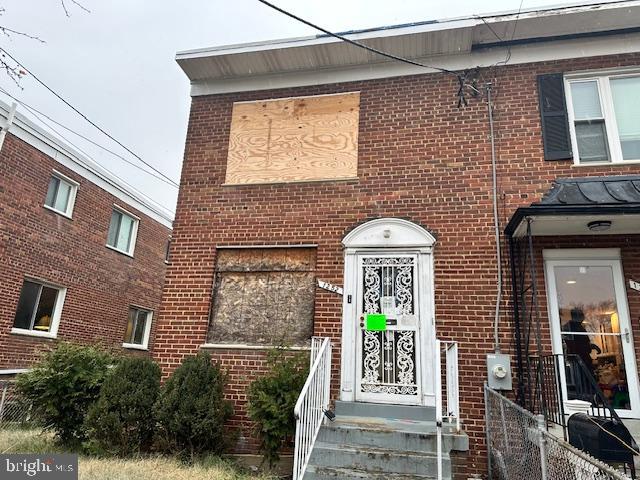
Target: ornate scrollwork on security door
{"points": [[389, 357]]}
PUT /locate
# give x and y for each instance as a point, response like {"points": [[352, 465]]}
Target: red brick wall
{"points": [[36, 242], [420, 158]]}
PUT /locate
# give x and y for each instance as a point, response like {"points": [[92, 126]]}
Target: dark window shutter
{"points": [[555, 121]]}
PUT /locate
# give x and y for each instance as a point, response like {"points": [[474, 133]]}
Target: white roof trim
{"points": [[538, 52], [406, 29], [451, 44], [37, 137]]}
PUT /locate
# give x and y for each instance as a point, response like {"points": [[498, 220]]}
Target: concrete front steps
{"points": [[376, 441]]}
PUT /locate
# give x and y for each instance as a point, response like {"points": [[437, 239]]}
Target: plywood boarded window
{"points": [[294, 140], [263, 296]]}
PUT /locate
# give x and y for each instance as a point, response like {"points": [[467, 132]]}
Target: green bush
{"points": [[62, 386], [191, 411], [121, 422], [272, 399]]}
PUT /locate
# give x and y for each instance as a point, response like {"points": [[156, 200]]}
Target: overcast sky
{"points": [[116, 63]]}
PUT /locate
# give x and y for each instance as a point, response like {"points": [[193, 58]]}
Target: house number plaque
{"points": [[330, 287]]}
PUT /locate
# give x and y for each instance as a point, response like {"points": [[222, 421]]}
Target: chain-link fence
{"points": [[14, 410], [520, 448]]}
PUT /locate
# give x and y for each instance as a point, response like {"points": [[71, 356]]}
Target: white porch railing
{"points": [[452, 405], [312, 403]]}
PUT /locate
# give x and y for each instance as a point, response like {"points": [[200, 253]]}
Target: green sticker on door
{"points": [[376, 322]]}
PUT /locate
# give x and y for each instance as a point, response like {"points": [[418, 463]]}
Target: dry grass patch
{"points": [[145, 468], [157, 468]]}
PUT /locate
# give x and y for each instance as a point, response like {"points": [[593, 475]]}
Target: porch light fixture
{"points": [[599, 225], [571, 282]]}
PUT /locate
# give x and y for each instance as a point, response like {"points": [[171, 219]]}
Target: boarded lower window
{"points": [[294, 140], [263, 296]]}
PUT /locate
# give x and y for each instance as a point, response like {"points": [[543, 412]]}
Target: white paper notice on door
{"points": [[388, 306], [408, 321]]}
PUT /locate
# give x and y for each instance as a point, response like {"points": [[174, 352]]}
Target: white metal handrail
{"points": [[452, 407], [311, 405], [449, 411], [453, 385]]}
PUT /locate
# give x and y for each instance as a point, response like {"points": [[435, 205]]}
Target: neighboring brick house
{"points": [[311, 159], [82, 254]]}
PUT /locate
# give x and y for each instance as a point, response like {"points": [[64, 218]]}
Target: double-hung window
{"points": [[604, 114], [123, 230], [138, 328], [61, 194], [39, 309]]}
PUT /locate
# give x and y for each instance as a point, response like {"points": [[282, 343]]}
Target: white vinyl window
{"points": [[123, 230], [138, 328], [61, 194], [604, 117], [39, 309]]}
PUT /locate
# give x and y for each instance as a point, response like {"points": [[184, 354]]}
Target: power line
{"points": [[513, 35], [30, 107], [83, 115], [105, 169], [354, 43], [147, 197]]}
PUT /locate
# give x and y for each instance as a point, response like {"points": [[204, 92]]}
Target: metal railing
{"points": [[549, 399], [580, 383], [14, 410], [449, 411], [519, 447], [312, 404]]}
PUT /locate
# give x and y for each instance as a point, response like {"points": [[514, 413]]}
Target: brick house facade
{"points": [[66, 249], [419, 158]]}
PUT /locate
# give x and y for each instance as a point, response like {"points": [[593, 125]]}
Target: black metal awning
{"points": [[570, 208], [573, 203]]}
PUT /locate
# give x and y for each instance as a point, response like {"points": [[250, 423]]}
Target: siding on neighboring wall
{"points": [[419, 158], [101, 283]]}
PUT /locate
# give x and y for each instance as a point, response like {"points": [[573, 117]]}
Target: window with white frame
{"points": [[39, 309], [61, 194], [123, 229], [138, 328], [604, 112]]}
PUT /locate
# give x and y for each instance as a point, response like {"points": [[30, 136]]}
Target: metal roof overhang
{"points": [[434, 39], [558, 220]]}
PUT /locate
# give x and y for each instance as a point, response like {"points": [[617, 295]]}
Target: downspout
{"points": [[496, 224], [5, 129]]}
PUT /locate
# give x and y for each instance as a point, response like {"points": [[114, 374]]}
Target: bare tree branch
{"points": [[8, 31], [14, 72], [76, 3]]}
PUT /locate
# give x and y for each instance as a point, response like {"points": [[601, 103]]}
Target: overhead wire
{"points": [[26, 105], [41, 82], [48, 117], [355, 43], [53, 129], [513, 35]]}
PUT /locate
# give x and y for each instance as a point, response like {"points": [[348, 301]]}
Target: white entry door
{"points": [[389, 362], [590, 318]]}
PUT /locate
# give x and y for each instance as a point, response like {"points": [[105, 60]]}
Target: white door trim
{"points": [[388, 236], [595, 257]]}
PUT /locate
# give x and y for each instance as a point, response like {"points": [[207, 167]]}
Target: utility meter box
{"points": [[499, 371]]}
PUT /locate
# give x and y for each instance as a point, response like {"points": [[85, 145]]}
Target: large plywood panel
{"points": [[294, 140], [263, 296]]}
